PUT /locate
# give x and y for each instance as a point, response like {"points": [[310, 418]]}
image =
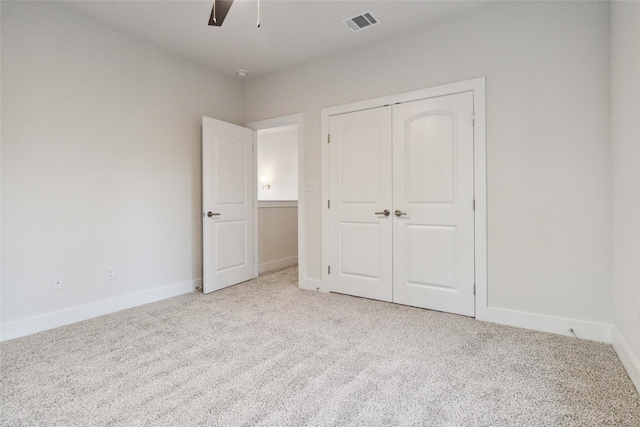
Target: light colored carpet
{"points": [[266, 353]]}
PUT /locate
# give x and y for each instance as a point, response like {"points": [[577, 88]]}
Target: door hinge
{"points": [[473, 119], [329, 269], [474, 289], [474, 204], [328, 204], [328, 139]]}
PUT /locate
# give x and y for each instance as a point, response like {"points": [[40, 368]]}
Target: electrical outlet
{"points": [[111, 273], [311, 186], [58, 282]]}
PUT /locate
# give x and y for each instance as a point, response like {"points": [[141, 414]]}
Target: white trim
{"points": [[478, 87], [556, 325], [256, 225], [447, 89], [277, 204], [293, 119], [323, 286], [629, 361], [311, 284], [480, 191], [31, 325], [279, 263]]}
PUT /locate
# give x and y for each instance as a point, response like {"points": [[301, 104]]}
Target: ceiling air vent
{"points": [[362, 21]]}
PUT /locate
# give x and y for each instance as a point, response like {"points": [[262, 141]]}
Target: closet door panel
{"points": [[433, 235], [359, 188], [430, 163]]}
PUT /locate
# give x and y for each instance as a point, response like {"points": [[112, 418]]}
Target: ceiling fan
{"points": [[220, 10]]}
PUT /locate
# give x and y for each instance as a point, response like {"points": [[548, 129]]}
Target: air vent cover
{"points": [[365, 20]]}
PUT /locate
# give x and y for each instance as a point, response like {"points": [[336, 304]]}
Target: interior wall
{"points": [[548, 155], [278, 162], [277, 237], [625, 140], [101, 162], [0, 174]]}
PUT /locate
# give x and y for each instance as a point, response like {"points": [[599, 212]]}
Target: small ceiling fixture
{"points": [[242, 73], [362, 21]]}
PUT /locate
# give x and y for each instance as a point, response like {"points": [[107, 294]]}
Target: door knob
{"points": [[384, 212], [210, 214], [398, 213]]}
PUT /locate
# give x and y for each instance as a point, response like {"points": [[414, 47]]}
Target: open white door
{"points": [[227, 204]]}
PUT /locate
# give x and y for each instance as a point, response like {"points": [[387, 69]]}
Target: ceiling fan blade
{"points": [[220, 8]]}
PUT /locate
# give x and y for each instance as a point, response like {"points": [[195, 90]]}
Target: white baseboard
{"points": [[555, 325], [279, 263], [310, 284], [31, 325], [630, 361]]}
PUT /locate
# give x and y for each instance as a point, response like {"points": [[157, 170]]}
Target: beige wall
{"points": [[549, 176], [277, 158], [277, 237], [101, 160], [625, 140]]}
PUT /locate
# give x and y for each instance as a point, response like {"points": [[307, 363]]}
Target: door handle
{"points": [[210, 214], [398, 213], [384, 212]]}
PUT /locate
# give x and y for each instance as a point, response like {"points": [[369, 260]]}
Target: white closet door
{"points": [[433, 236], [360, 189], [227, 203]]}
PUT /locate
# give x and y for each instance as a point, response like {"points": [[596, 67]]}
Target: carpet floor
{"points": [[269, 354]]}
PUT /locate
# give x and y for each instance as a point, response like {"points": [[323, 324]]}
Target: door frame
{"points": [[293, 119], [478, 87]]}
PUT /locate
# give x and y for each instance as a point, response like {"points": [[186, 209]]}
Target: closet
{"points": [[401, 203]]}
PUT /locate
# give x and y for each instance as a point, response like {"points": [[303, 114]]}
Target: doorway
{"points": [[278, 225], [277, 172]]}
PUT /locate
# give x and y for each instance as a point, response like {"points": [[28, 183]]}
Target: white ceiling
{"points": [[291, 32]]}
